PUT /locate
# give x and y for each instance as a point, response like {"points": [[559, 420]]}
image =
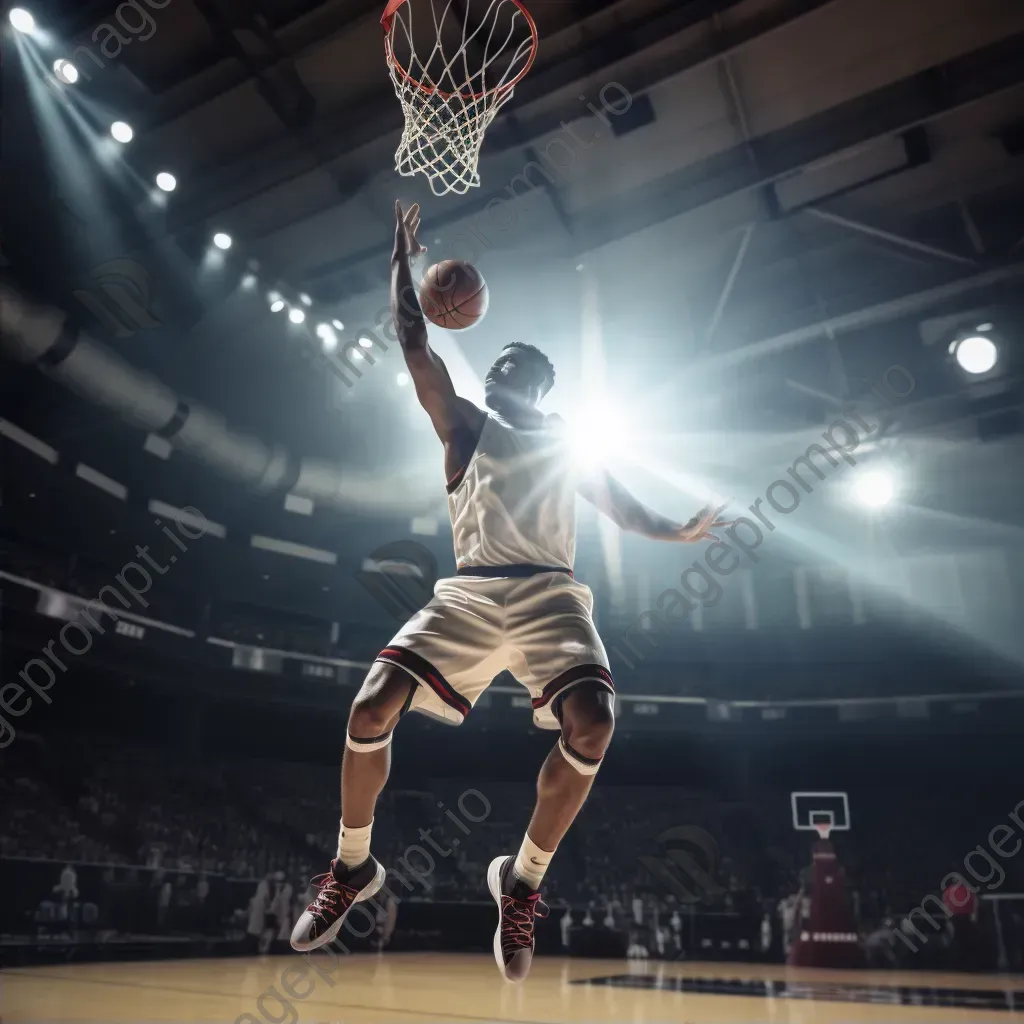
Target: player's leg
{"points": [[563, 663], [566, 777], [355, 875], [433, 665], [588, 720]]}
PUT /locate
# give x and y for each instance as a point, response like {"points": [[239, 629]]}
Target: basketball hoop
{"points": [[823, 828], [453, 69]]}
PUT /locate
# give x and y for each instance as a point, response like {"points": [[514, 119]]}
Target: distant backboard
{"points": [[811, 811]]}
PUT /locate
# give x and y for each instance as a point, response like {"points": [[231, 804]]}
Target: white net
{"points": [[454, 63]]}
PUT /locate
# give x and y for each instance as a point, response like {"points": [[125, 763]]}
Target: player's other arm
{"points": [[434, 389], [611, 498]]}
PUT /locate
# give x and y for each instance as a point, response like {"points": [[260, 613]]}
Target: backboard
{"points": [[820, 812]]}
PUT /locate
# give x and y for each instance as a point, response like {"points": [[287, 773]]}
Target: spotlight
{"points": [[330, 342], [323, 330], [305, 299], [296, 316], [597, 434], [166, 181], [365, 341], [65, 71], [976, 354], [276, 305], [249, 281], [21, 19], [221, 240], [874, 488], [338, 324], [402, 379]]}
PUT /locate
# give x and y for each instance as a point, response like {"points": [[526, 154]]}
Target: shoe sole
{"points": [[302, 946], [494, 870]]}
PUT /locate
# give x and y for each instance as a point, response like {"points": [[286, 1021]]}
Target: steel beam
{"points": [[890, 110], [881, 313], [890, 236], [730, 281]]}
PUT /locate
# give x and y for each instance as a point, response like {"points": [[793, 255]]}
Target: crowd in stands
{"points": [[258, 830]]}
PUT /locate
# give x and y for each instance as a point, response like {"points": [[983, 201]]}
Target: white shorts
{"points": [[539, 628]]}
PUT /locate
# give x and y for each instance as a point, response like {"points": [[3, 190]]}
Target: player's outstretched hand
{"points": [[700, 527], [407, 226]]}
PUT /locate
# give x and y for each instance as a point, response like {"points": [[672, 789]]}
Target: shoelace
{"points": [[517, 921], [330, 890]]}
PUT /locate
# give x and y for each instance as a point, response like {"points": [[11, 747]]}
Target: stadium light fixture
{"points": [[874, 488], [22, 20], [296, 316], [166, 181], [222, 240], [122, 132], [976, 354], [65, 71]]}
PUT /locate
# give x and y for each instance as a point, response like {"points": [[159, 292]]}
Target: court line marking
{"points": [[308, 1001]]}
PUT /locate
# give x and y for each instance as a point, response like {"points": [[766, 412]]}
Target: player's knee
{"points": [[379, 703], [588, 722]]}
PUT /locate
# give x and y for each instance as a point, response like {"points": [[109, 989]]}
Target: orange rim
{"points": [[388, 21]]}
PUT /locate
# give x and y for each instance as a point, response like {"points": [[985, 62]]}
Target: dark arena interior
{"points": [[774, 250]]}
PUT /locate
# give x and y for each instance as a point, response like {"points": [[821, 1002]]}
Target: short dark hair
{"points": [[540, 360]]}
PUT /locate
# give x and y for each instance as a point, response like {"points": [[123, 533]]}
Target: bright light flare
{"points": [[122, 132], [276, 305], [65, 71], [597, 434], [874, 488], [977, 354], [166, 182], [222, 240], [296, 315], [22, 20]]}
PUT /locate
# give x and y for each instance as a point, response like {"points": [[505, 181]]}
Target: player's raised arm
{"points": [[611, 498], [434, 388]]}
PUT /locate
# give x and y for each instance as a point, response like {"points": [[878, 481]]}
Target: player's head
{"points": [[521, 375]]}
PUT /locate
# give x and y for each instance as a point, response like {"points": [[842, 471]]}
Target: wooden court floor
{"points": [[430, 988]]}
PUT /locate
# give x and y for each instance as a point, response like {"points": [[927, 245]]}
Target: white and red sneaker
{"points": [[518, 906], [340, 890]]}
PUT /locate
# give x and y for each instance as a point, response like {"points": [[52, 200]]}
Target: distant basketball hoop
{"points": [[453, 67], [823, 828]]}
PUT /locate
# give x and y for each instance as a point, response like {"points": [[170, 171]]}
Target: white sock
{"points": [[354, 845], [531, 863]]}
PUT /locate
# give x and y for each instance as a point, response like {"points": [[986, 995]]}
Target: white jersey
{"points": [[515, 503]]}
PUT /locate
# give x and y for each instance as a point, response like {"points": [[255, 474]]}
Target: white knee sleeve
{"points": [[584, 765], [366, 746]]}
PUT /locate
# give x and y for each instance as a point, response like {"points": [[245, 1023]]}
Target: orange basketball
{"points": [[453, 295]]}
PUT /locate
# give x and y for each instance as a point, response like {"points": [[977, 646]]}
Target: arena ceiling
{"points": [[780, 200], [733, 218]]}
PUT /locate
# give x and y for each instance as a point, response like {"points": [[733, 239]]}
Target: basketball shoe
{"points": [[340, 890], [518, 905]]}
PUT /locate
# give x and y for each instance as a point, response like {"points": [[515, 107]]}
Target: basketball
{"points": [[453, 295]]}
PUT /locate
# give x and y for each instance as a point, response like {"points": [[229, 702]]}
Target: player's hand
{"points": [[407, 226], [700, 527]]}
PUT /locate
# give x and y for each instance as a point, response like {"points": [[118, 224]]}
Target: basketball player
{"points": [[513, 604]]}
